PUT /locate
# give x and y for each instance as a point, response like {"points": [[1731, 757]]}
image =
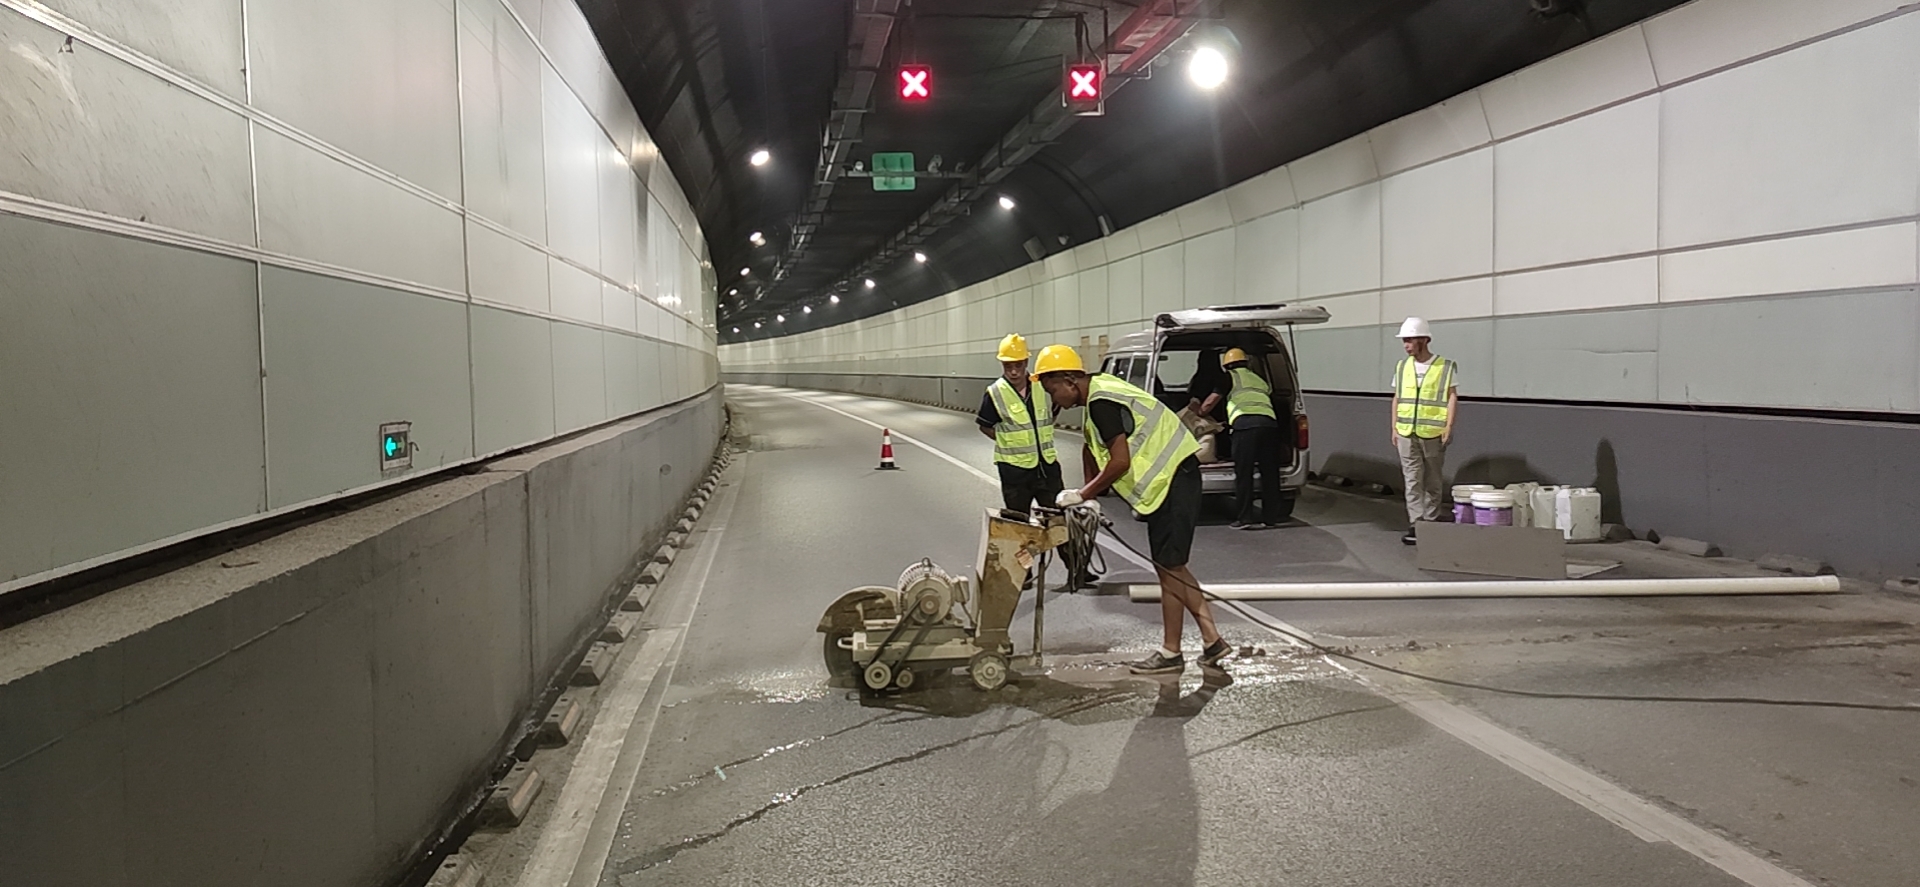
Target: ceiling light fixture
{"points": [[1208, 68], [806, 309], [834, 299], [780, 318], [760, 157], [920, 257], [1006, 202], [745, 271], [871, 284], [757, 239]]}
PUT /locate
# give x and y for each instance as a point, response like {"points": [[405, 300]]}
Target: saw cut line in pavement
{"points": [[691, 781], [661, 855]]}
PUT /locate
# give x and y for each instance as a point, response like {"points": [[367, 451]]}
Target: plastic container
{"points": [[1493, 508], [1577, 513], [1545, 507], [1522, 502], [1463, 501]]}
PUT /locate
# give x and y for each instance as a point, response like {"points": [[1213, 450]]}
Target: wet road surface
{"points": [[1288, 769]]}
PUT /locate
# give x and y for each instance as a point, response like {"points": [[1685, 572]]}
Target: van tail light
{"points": [[1299, 432]]}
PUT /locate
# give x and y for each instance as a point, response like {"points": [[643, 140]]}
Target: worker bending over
{"points": [[1256, 440], [1143, 453], [1424, 403], [1021, 427]]}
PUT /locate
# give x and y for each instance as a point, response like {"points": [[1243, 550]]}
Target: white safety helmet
{"points": [[1415, 328]]}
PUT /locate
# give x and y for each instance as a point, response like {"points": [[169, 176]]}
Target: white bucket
{"points": [[1493, 508], [1577, 513], [1545, 507]]}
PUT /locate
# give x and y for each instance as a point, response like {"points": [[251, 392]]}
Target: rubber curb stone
{"points": [[653, 574], [593, 668], [1904, 585], [677, 538], [1798, 566], [620, 627], [664, 554], [638, 599], [458, 871], [1693, 547], [508, 803], [557, 729]]}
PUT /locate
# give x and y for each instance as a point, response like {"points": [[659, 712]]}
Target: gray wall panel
{"points": [[1470, 342], [374, 77], [1349, 359], [343, 358], [1608, 355], [101, 135], [199, 38], [504, 156], [1856, 350], [579, 377], [140, 365], [512, 379], [624, 396]]}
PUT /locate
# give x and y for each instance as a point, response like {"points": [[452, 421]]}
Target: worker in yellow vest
{"points": [[1255, 440], [1139, 449], [1425, 400], [1019, 421]]}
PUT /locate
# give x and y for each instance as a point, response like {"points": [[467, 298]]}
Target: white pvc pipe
{"points": [[1337, 591]]}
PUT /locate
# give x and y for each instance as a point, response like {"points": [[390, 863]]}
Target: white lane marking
{"points": [[1109, 545], [1644, 819], [577, 837]]}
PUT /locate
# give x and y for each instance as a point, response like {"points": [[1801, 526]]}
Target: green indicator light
{"points": [[393, 447]]}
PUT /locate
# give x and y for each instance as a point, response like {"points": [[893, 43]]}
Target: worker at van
{"points": [[1137, 447], [1256, 440], [1019, 421], [1425, 400]]}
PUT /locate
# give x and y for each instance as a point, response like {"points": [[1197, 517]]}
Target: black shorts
{"points": [[1021, 487], [1170, 527]]}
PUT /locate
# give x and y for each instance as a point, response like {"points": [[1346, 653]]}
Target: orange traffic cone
{"points": [[886, 451]]}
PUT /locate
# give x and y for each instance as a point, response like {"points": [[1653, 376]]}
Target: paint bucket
{"points": [[1545, 506], [1523, 502], [1493, 508], [1577, 513], [1463, 501]]}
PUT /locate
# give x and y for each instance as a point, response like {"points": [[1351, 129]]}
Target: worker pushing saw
{"points": [[1256, 440], [1143, 452]]}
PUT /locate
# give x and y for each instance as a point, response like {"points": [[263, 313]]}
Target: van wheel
{"points": [[1286, 507]]}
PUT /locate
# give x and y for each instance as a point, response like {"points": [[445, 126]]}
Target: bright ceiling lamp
{"points": [[834, 299], [1208, 68], [780, 318], [920, 257], [806, 309], [745, 271], [1006, 202], [760, 157], [757, 239], [871, 284]]}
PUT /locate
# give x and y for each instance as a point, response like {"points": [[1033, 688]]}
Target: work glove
{"points": [[1068, 499]]}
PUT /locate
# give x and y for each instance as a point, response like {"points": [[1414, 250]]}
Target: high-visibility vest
{"points": [[1023, 438], [1423, 402], [1157, 446], [1251, 396]]}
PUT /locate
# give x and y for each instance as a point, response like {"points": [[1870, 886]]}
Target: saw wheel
{"points": [[989, 671], [877, 676]]}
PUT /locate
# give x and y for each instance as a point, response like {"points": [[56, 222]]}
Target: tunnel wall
{"points": [[311, 710], [238, 238], [1714, 211]]}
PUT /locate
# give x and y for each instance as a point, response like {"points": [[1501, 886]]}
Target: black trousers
{"points": [[1257, 448], [1021, 487]]}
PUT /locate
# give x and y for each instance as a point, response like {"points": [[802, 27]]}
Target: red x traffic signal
{"points": [[915, 83], [1085, 89]]}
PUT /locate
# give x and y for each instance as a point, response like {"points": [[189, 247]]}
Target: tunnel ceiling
{"points": [[714, 80]]}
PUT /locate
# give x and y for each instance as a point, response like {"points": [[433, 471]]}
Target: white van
{"points": [[1184, 347]]}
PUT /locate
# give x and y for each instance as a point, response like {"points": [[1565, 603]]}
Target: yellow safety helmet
{"points": [[1013, 349], [1233, 356], [1057, 359]]}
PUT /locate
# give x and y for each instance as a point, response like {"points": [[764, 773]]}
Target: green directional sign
{"points": [[894, 162]]}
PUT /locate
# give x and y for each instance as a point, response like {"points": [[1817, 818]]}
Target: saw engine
{"points": [[884, 637]]}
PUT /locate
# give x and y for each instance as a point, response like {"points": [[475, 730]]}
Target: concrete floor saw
{"points": [[885, 637]]}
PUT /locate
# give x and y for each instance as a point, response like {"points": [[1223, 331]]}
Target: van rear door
{"points": [[1241, 317]]}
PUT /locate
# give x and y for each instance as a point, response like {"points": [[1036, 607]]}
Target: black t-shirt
{"points": [[1109, 420]]}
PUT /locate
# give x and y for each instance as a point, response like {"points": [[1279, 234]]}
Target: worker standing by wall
{"points": [[1143, 453], [1021, 427], [1256, 440], [1425, 400]]}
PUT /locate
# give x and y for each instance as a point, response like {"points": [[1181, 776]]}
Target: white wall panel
{"points": [[1333, 169], [198, 38], [618, 308], [1267, 193], [1586, 189], [1455, 125], [1205, 216], [1340, 242], [1360, 309], [1866, 257], [1437, 221], [1589, 76], [575, 151], [1060, 264], [579, 377], [504, 270], [1070, 304], [1267, 258], [1122, 244], [77, 118], [318, 208], [504, 152], [374, 77], [1125, 283], [1579, 287], [343, 358], [1095, 298], [1822, 135], [1046, 315], [1210, 273], [1441, 301], [625, 393], [1163, 280], [617, 213], [1158, 231], [529, 13], [576, 294], [1702, 36]]}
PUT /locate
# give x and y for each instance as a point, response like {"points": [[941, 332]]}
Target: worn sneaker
{"points": [[1159, 664], [1410, 538], [1215, 653], [1243, 525]]}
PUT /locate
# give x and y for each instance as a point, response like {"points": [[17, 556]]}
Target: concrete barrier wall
{"points": [[316, 708]]}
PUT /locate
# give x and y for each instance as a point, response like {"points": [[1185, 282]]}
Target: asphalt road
{"points": [[1289, 769]]}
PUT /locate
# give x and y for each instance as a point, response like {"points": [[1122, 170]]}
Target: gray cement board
{"points": [[1516, 552]]}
